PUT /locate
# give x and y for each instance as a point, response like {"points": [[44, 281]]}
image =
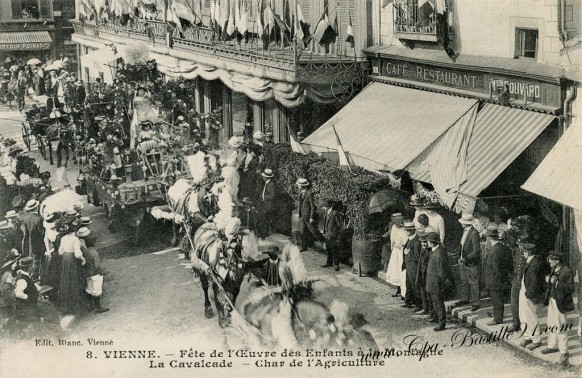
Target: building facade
{"points": [[37, 29], [468, 97], [271, 79]]}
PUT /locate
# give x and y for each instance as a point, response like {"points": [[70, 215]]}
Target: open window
{"points": [[526, 43]]}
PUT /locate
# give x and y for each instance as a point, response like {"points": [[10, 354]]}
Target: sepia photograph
{"points": [[290, 188]]}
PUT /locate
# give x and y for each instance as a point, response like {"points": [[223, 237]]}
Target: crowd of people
{"points": [[502, 261], [48, 254]]}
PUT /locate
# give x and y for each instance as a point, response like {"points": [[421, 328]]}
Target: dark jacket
{"points": [[332, 225], [412, 258], [438, 271], [471, 251], [306, 206], [562, 289], [498, 267], [79, 95], [534, 278], [270, 197], [422, 266]]}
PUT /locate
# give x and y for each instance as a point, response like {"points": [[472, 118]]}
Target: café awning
{"points": [[100, 59], [500, 135], [385, 127], [40, 40], [559, 175]]}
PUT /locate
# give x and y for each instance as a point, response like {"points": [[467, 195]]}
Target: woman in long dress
{"points": [[398, 238], [71, 287]]}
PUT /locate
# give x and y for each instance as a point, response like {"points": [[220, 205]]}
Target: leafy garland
{"points": [[327, 180]]}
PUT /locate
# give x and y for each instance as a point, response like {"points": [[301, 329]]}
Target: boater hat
{"points": [[302, 182], [83, 232], [467, 219], [268, 173], [26, 262], [492, 233], [85, 221], [11, 214], [31, 205], [409, 225]]}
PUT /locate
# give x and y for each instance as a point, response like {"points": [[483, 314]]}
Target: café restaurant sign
{"points": [[484, 83]]}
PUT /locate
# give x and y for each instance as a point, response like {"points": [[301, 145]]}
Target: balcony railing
{"points": [[414, 22], [203, 41], [12, 25]]}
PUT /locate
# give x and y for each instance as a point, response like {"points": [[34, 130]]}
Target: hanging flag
{"points": [[295, 145], [259, 18], [183, 13], [324, 32], [425, 12], [350, 32], [231, 24], [343, 159], [386, 2], [280, 23]]}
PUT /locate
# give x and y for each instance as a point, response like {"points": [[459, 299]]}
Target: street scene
{"points": [[290, 188]]}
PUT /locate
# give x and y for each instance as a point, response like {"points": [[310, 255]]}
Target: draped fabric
{"points": [[290, 95]]}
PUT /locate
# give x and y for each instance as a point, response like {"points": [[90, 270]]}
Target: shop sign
{"points": [[480, 82], [436, 75], [465, 203], [25, 46]]}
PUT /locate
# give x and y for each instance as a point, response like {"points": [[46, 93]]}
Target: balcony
{"points": [[415, 23], [202, 44], [31, 24]]}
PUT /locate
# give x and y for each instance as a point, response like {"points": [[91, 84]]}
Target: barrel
{"points": [[367, 256]]}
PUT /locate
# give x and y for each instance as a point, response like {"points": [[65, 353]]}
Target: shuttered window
{"points": [[45, 9]]}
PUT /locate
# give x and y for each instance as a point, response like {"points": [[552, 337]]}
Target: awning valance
{"points": [[387, 127], [100, 59], [559, 175], [40, 40]]}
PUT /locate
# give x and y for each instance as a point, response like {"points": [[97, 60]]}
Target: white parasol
{"points": [[33, 61], [60, 202]]}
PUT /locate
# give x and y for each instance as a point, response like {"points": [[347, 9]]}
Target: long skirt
{"points": [[53, 276], [394, 272], [71, 287]]}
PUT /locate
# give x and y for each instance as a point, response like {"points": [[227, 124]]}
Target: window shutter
{"points": [[44, 7], [16, 9]]}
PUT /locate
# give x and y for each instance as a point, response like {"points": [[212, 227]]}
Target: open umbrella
{"points": [[33, 62], [59, 64], [383, 199]]}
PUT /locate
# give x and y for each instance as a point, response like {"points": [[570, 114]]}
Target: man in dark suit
{"points": [[412, 252], [421, 274], [307, 212], [559, 301], [469, 264], [332, 226], [532, 293], [438, 272], [78, 95], [267, 200], [497, 273]]}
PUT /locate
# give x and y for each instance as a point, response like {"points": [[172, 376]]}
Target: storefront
{"points": [[26, 45], [474, 129]]}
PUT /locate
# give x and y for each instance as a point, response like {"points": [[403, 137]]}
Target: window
{"points": [[34, 9], [526, 43]]}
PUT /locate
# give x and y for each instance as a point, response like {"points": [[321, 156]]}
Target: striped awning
{"points": [[559, 175], [386, 127], [39, 40], [499, 136]]}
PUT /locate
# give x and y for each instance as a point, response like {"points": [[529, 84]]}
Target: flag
{"points": [[325, 32], [184, 13], [172, 17], [230, 26], [425, 10], [386, 2], [295, 145], [259, 18], [343, 159], [350, 32]]}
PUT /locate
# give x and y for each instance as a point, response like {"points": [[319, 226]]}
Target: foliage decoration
{"points": [[354, 190]]}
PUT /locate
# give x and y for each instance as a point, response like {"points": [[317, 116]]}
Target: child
{"points": [[92, 268]]}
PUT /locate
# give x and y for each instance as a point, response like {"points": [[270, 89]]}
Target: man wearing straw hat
{"points": [[267, 198], [11, 234], [92, 268], [559, 301], [307, 212], [469, 263], [33, 244]]}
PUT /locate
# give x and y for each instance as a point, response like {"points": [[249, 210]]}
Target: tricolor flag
{"points": [[295, 145], [350, 32], [343, 159], [325, 32]]}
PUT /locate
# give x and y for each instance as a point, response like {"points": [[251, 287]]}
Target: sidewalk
{"points": [[477, 319]]}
